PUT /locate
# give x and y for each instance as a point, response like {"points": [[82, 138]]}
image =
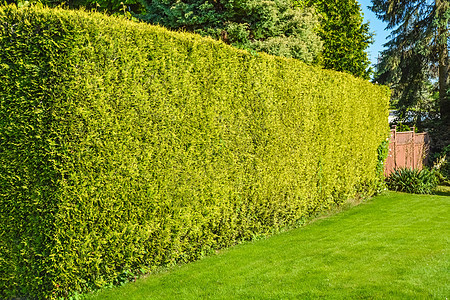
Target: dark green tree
{"points": [[344, 34], [417, 52], [272, 26]]}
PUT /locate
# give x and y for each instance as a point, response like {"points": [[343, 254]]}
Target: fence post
{"points": [[395, 147]]}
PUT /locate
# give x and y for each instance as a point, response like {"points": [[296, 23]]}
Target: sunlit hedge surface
{"points": [[125, 146]]}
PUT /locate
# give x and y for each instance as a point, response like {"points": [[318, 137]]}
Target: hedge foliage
{"points": [[125, 146]]}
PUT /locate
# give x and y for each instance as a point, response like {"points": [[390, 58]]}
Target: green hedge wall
{"points": [[125, 146]]}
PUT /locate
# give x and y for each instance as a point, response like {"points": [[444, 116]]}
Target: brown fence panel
{"points": [[421, 149], [389, 164], [407, 150], [404, 151]]}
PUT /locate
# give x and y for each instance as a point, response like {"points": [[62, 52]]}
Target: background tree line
{"points": [[416, 63]]}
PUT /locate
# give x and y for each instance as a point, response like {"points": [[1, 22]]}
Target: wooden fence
{"points": [[407, 150]]}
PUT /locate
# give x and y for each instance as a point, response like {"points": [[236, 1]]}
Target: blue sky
{"points": [[376, 26]]}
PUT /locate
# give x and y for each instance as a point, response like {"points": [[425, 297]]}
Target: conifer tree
{"points": [[417, 52], [272, 26], [345, 35]]}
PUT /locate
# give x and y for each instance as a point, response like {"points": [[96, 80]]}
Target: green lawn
{"points": [[394, 246]]}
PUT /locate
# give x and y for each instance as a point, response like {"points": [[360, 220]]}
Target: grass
{"points": [[394, 246]]}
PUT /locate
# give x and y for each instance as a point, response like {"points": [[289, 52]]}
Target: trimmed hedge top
{"points": [[125, 146]]}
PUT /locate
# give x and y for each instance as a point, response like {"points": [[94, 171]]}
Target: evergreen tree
{"points": [[272, 26], [345, 35], [417, 52]]}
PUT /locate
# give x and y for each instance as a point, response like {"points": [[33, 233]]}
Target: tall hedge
{"points": [[125, 146]]}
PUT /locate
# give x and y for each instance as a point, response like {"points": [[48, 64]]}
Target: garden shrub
{"points": [[125, 146], [413, 181], [442, 165], [383, 152]]}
